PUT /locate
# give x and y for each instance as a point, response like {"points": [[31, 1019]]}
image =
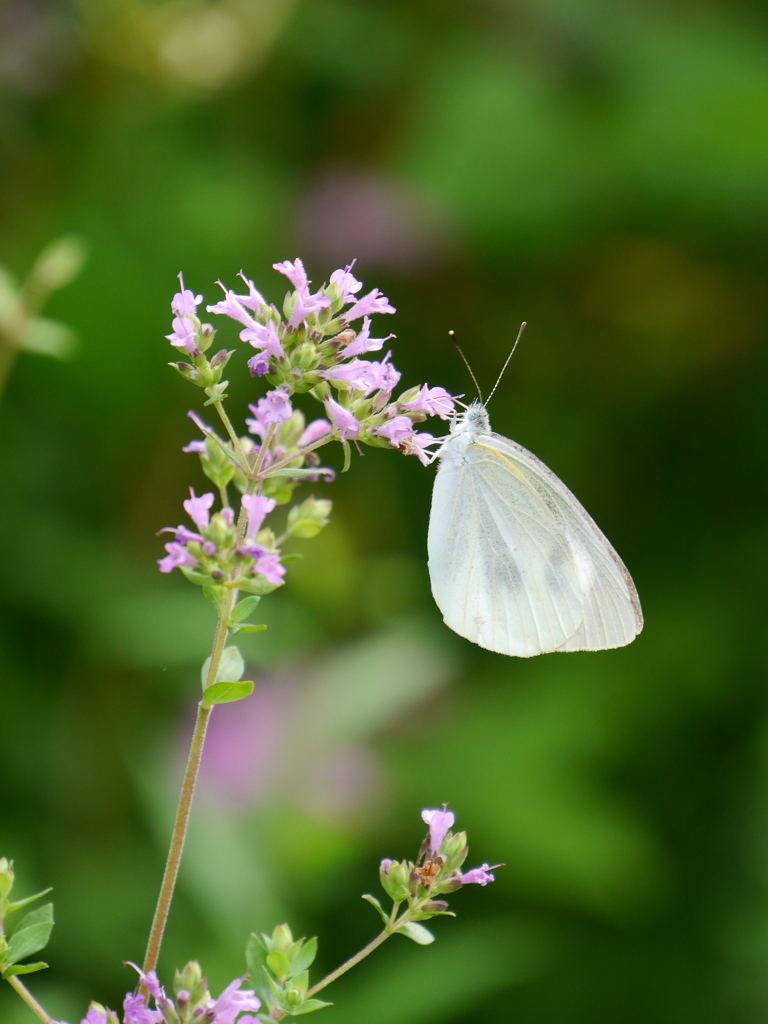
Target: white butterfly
{"points": [[517, 565]]}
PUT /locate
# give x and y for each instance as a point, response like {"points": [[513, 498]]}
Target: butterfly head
{"points": [[475, 420]]}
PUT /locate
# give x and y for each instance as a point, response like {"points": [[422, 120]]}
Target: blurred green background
{"points": [[598, 169]]}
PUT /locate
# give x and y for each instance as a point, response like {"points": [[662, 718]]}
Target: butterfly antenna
{"points": [[523, 325], [466, 363]]}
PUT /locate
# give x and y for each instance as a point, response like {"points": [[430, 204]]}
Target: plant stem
{"points": [[231, 431], [185, 802], [30, 1000], [298, 455], [348, 964]]}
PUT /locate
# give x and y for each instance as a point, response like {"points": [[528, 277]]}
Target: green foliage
{"points": [[279, 968], [26, 936]]}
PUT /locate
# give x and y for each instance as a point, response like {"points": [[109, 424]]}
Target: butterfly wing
{"points": [[516, 563]]}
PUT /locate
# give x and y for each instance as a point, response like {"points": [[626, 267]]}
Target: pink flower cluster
{"points": [[314, 347], [234, 1006], [213, 551]]}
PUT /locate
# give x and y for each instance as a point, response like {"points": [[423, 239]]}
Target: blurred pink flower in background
{"points": [[261, 748], [378, 219]]}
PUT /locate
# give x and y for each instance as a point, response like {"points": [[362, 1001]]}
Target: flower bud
{"points": [[394, 879], [435, 907], [410, 396], [308, 518], [282, 938], [455, 849], [205, 337], [306, 356], [191, 982], [218, 531], [6, 877], [221, 358]]}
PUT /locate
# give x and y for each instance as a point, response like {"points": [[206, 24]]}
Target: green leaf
{"points": [[279, 964], [305, 529], [226, 693], [198, 578], [418, 933], [230, 453], [308, 1006], [243, 609], [214, 594], [255, 955], [258, 585], [58, 264], [304, 958], [248, 627], [298, 474], [231, 666], [31, 934], [347, 457], [30, 899], [375, 903], [48, 338], [23, 969]]}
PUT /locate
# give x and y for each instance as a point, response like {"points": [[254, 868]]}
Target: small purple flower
{"points": [[233, 1001], [135, 1011], [254, 299], [185, 302], [363, 375], [184, 335], [396, 431], [231, 306], [94, 1016], [439, 822], [295, 273], [306, 304], [264, 336], [258, 365], [386, 864], [197, 508], [275, 406], [373, 302], [481, 876], [149, 981], [195, 446], [342, 419], [176, 557], [315, 430], [257, 508], [182, 535], [431, 402], [347, 284], [364, 342], [270, 568]]}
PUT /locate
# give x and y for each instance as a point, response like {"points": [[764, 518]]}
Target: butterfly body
{"points": [[516, 564]]}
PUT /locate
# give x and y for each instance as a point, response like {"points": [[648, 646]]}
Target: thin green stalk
{"points": [[296, 455], [185, 803], [30, 1000], [391, 928], [231, 431]]}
